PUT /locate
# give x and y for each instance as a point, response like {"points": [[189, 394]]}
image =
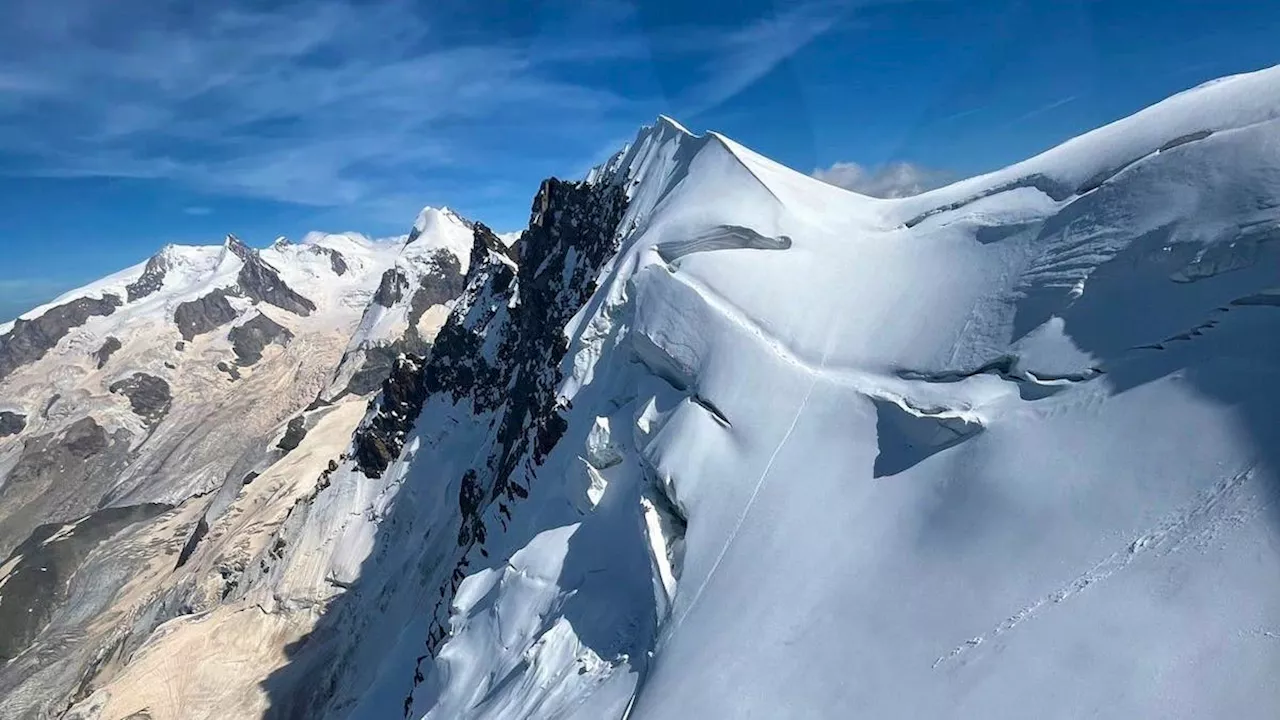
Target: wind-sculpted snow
{"points": [[935, 430], [725, 237]]}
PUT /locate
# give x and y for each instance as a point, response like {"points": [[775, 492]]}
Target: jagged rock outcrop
{"points": [[294, 433], [391, 289], [149, 396], [151, 280], [11, 423], [104, 353], [381, 437], [204, 314], [29, 340], [260, 281], [249, 339]]}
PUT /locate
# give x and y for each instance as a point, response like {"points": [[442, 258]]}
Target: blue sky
{"points": [[127, 125]]}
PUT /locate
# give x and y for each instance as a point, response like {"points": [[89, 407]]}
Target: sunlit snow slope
{"points": [[713, 439], [1004, 449]]}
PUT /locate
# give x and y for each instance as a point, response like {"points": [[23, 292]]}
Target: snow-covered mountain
{"points": [[713, 438], [138, 412]]}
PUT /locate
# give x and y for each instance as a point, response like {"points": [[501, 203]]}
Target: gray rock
{"points": [[105, 352], [391, 289], [442, 283], [151, 280], [11, 423], [229, 370], [149, 396], [261, 282], [337, 263], [249, 339], [38, 582], [59, 475], [293, 434], [202, 315], [29, 340]]}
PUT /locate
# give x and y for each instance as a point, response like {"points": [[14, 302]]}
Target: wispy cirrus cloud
{"points": [[371, 103]]}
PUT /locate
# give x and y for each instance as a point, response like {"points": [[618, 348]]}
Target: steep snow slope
{"points": [[715, 439], [730, 442]]}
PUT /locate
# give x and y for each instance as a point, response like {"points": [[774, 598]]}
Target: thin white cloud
{"points": [[747, 55], [1048, 107], [335, 103], [893, 180], [372, 104]]}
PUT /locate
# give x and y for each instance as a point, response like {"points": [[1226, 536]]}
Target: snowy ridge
{"points": [[836, 423]]}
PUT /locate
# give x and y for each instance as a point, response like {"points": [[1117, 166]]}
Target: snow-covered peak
{"points": [[440, 228]]}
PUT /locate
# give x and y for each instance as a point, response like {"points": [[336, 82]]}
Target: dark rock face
{"points": [[337, 263], [151, 280], [188, 548], [104, 353], [11, 423], [261, 282], [572, 234], [378, 361], [84, 439], [248, 340], [84, 457], [53, 400], [202, 315], [29, 340], [443, 282], [293, 434], [38, 583], [230, 370], [391, 288], [380, 439], [149, 396]]}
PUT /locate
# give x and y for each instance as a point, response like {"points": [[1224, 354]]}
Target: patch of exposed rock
{"points": [[380, 439], [45, 562], [199, 316], [337, 263], [391, 288], [232, 372], [260, 281], [11, 423], [104, 353], [294, 432], [249, 339], [29, 340], [151, 280], [149, 396]]}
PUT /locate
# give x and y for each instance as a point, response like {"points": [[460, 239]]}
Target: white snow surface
{"points": [[1003, 449]]}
